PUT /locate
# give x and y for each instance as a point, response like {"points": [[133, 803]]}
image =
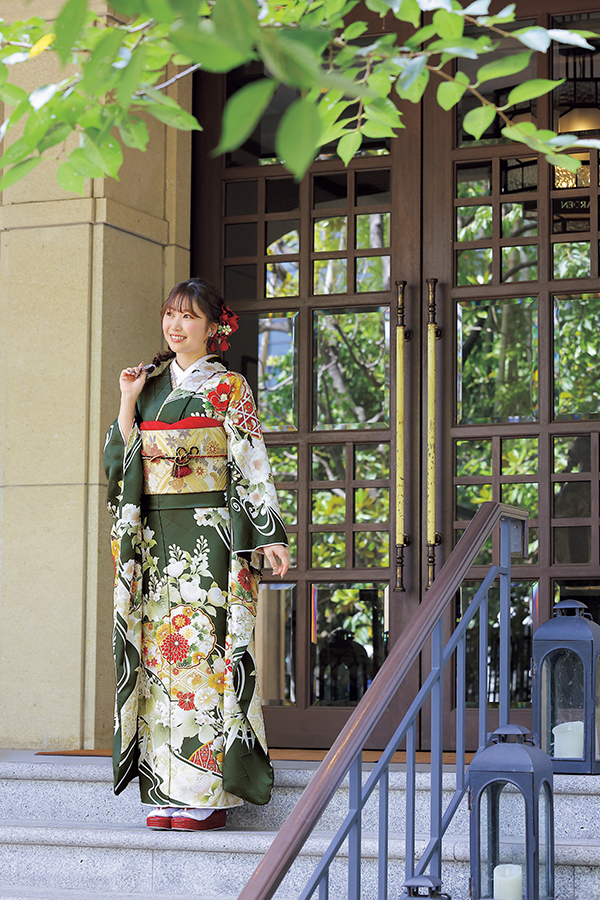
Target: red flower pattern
{"points": [[220, 397], [180, 621], [245, 579], [174, 648], [185, 701]]}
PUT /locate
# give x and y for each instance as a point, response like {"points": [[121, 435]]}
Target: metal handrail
{"points": [[345, 754]]}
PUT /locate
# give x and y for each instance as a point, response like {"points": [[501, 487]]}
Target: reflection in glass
{"points": [[241, 198], [371, 548], [576, 101], [523, 495], [521, 626], [570, 214], [473, 180], [259, 149], [532, 558], [372, 187], [469, 498], [474, 266], [240, 283], [329, 462], [282, 195], [474, 457], [572, 545], [373, 230], [372, 273], [572, 260], [484, 557], [293, 547], [517, 175], [284, 462], [572, 499], [328, 550], [330, 276], [283, 237], [519, 219], [330, 190], [240, 239], [330, 234], [497, 360], [351, 368], [277, 371], [519, 456], [519, 263], [288, 501], [564, 179], [572, 454], [282, 279], [348, 640], [576, 352], [328, 507], [473, 223], [371, 504], [371, 461], [276, 644]]}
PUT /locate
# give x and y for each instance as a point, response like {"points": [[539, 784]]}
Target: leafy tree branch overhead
{"points": [[349, 86]]}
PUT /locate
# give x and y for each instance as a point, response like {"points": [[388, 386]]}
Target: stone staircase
{"points": [[65, 836]]}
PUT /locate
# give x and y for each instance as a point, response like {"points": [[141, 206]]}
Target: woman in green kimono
{"points": [[195, 508]]}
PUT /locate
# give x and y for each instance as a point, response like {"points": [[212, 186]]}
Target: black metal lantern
{"points": [[511, 819], [565, 689]]}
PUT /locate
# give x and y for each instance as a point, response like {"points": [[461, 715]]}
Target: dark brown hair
{"points": [[183, 297]]}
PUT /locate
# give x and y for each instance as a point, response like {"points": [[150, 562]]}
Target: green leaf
{"points": [[69, 179], [242, 112], [448, 25], [134, 133], [354, 30], [571, 37], [68, 26], [82, 165], [12, 94], [477, 120], [378, 6], [131, 76], [380, 83], [55, 135], [298, 135], [376, 130], [450, 92], [98, 71], [536, 38], [17, 151], [566, 162], [507, 65], [91, 151], [112, 156], [349, 145], [19, 171], [382, 110], [415, 92], [71, 107], [420, 36], [203, 46], [530, 89], [236, 22], [411, 71], [176, 118], [409, 12]]}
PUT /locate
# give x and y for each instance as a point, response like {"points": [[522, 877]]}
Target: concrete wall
{"points": [[81, 283]]}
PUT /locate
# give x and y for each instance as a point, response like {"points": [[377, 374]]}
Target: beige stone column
{"points": [[81, 283]]}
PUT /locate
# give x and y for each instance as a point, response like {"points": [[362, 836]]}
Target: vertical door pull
{"points": [[434, 333], [402, 539]]}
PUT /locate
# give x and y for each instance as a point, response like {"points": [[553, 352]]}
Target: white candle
{"points": [[568, 740], [508, 882]]}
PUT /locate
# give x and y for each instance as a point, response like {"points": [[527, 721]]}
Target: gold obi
{"points": [[184, 460]]}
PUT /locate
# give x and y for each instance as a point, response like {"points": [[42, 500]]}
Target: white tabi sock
{"points": [[198, 814]]}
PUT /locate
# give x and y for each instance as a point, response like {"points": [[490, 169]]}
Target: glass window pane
{"points": [[348, 636], [497, 360], [282, 195], [473, 458], [288, 501], [473, 180], [371, 461], [523, 495], [519, 219], [328, 550], [469, 498], [570, 214], [241, 198], [330, 276], [372, 187], [329, 463], [275, 639], [519, 456], [572, 545], [328, 507], [572, 454], [330, 234], [576, 353], [572, 260], [484, 557], [240, 283], [371, 504], [517, 175], [372, 273], [259, 149], [474, 266], [371, 548], [282, 279], [564, 179], [373, 230], [240, 240], [533, 556], [284, 462], [293, 548], [330, 190], [473, 223], [351, 387], [572, 499], [283, 237], [576, 101], [519, 263]]}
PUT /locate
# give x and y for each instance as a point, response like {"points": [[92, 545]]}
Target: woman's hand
{"points": [[131, 382], [278, 558]]}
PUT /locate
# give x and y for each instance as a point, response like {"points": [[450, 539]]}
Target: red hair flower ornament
{"points": [[228, 323]]}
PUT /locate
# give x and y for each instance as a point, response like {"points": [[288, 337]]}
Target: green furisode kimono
{"points": [[193, 498]]}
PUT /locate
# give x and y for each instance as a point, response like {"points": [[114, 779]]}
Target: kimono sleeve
{"points": [[254, 507]]}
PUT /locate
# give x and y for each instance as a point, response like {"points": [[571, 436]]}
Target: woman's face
{"points": [[186, 332]]}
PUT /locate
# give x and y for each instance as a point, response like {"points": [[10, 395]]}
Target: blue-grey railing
{"points": [[345, 757]]}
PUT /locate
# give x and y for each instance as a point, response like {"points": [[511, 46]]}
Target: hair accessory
{"points": [[228, 323]]}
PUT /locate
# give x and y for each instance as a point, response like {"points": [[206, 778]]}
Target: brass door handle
{"points": [[402, 539], [434, 333]]}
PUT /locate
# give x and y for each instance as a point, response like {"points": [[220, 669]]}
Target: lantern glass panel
{"points": [[502, 841], [597, 717], [563, 698], [544, 829]]}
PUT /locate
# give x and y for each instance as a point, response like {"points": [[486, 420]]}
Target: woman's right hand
{"points": [[131, 382]]}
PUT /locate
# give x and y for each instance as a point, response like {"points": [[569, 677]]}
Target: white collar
{"points": [[192, 377]]}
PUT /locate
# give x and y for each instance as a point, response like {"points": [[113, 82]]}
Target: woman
{"points": [[190, 487]]}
